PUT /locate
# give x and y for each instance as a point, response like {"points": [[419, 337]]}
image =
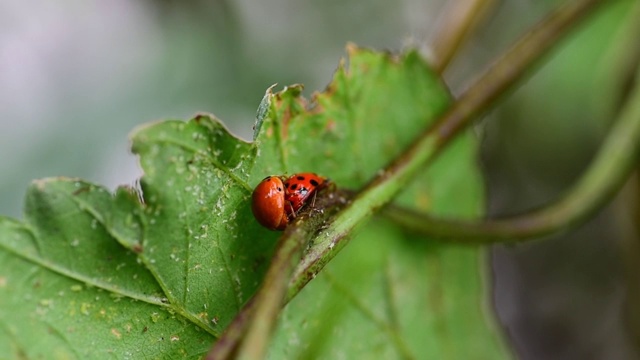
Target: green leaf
{"points": [[201, 240], [389, 295], [68, 290], [365, 118], [162, 272], [187, 258]]}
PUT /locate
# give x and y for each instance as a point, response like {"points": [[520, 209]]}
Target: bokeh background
{"points": [[77, 76]]}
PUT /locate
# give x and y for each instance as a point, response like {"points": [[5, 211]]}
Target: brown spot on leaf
{"points": [[137, 248]]}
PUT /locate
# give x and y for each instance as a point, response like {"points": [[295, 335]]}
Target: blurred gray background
{"points": [[77, 76]]}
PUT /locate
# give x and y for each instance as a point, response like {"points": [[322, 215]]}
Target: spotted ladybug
{"points": [[299, 188], [277, 200], [268, 203]]}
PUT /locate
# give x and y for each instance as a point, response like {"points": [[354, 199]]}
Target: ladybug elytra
{"points": [[267, 203], [299, 188]]}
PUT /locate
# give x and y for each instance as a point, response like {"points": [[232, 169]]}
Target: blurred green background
{"points": [[77, 76]]}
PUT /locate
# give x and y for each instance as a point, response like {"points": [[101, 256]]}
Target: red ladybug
{"points": [[268, 204], [299, 188], [276, 202]]}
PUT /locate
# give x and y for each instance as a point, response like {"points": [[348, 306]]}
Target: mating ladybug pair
{"points": [[278, 199]]}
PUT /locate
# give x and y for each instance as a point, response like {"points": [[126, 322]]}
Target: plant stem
{"points": [[248, 334], [453, 27], [503, 76], [607, 173], [626, 56], [270, 297]]}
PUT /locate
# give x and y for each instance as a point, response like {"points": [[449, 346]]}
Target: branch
{"points": [[607, 173], [453, 27]]}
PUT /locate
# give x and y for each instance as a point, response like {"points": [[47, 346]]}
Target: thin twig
{"points": [[456, 22], [512, 67], [247, 335], [609, 170]]}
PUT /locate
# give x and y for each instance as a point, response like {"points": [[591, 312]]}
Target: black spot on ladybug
{"points": [[300, 177], [314, 182], [293, 187], [279, 189]]}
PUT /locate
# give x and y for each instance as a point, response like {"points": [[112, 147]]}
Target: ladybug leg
{"points": [[313, 201], [292, 212], [313, 204]]}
